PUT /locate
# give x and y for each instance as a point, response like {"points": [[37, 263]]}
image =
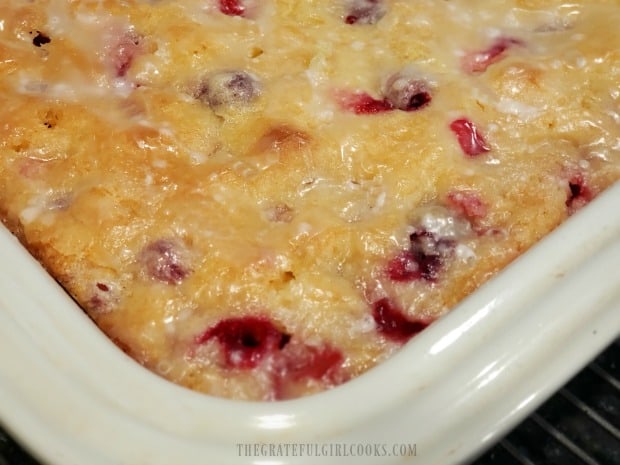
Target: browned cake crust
{"points": [[264, 199]]}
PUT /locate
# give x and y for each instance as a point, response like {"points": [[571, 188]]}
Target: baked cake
{"points": [[262, 199]]}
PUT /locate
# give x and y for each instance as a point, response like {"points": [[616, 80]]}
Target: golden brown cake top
{"points": [[263, 199]]}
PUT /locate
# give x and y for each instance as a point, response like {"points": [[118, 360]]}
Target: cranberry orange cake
{"points": [[262, 199]]}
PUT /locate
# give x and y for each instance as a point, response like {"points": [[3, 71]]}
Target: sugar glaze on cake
{"points": [[264, 199]]}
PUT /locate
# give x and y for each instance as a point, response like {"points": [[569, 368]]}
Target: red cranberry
{"points": [[579, 194], [436, 233], [232, 7], [401, 92], [245, 341], [423, 259], [228, 88], [303, 361], [429, 252], [124, 52], [478, 62], [165, 260], [393, 324], [300, 363], [468, 204], [361, 103], [404, 267], [407, 93], [364, 11], [470, 140]]}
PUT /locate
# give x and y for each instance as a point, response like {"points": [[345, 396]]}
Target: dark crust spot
{"points": [[40, 39], [51, 118]]}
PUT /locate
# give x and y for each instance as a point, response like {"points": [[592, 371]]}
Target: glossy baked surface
{"points": [[263, 200], [489, 363]]}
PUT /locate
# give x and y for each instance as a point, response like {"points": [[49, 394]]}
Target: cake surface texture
{"points": [[263, 199]]}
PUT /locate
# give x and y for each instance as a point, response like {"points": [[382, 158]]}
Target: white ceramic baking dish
{"points": [[73, 398]]}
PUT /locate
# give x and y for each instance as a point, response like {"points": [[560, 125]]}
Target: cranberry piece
{"points": [[467, 203], [436, 233], [302, 361], [423, 259], [165, 260], [245, 340], [228, 88], [364, 11], [470, 140], [407, 93], [579, 194], [401, 92], [232, 7], [361, 103], [478, 62], [429, 251], [404, 267], [124, 52], [393, 324]]}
